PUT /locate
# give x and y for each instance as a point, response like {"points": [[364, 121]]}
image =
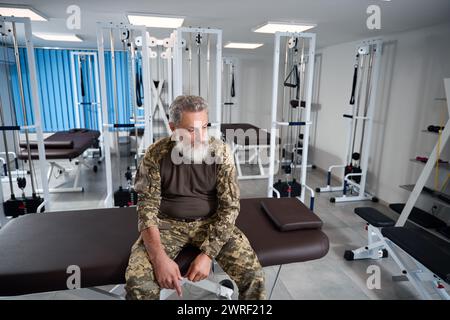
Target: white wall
{"points": [[254, 91], [414, 64]]}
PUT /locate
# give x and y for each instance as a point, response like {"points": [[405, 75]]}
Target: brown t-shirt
{"points": [[187, 190]]}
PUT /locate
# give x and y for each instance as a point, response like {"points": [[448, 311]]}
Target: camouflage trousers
{"points": [[236, 258]]}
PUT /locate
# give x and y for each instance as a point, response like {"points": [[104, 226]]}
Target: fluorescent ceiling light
{"points": [[272, 27], [21, 12], [243, 45], [58, 36], [154, 21]]}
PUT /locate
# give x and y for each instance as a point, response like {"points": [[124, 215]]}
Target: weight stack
{"points": [[287, 189], [125, 198], [20, 206]]}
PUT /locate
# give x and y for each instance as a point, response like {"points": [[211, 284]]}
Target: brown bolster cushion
{"points": [[290, 214]]}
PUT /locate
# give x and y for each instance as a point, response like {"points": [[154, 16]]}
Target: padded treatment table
{"points": [[58, 146], [37, 249]]}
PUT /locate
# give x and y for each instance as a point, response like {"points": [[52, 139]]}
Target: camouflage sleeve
{"points": [[148, 186], [220, 230]]}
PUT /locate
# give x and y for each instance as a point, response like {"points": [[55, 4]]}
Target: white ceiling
{"points": [[337, 20]]}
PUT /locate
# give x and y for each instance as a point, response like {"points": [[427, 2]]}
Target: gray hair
{"points": [[186, 103]]}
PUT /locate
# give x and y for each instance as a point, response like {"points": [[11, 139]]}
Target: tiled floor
{"points": [[331, 277]]}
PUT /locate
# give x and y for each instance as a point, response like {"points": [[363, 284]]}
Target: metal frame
{"points": [[148, 123], [236, 148], [35, 102], [422, 180], [307, 123], [16, 172], [360, 188], [208, 285], [73, 56], [178, 65], [418, 274], [65, 172], [158, 106]]}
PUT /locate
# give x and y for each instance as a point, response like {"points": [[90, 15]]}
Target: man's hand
{"points": [[199, 268], [167, 273]]}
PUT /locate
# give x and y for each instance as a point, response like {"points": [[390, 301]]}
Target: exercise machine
{"points": [[161, 84], [293, 105], [362, 101], [292, 188], [203, 42], [35, 203], [126, 35], [422, 257]]}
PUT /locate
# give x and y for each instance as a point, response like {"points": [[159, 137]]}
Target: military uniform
{"points": [[216, 236]]}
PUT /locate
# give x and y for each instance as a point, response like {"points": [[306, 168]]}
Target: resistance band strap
{"points": [[138, 85], [83, 92], [233, 92], [355, 78]]}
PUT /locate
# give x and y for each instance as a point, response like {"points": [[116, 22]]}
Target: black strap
{"points": [[355, 78], [83, 92], [138, 86], [233, 92]]}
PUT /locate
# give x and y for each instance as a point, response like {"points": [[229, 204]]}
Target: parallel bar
{"points": [[9, 128], [124, 125]]}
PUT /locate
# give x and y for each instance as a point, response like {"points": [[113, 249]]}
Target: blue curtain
{"points": [[54, 83]]}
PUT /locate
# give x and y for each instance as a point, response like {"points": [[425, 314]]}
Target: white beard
{"points": [[196, 154]]}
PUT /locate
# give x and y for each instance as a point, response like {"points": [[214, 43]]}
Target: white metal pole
{"points": [[104, 109], [219, 78], [169, 76], [178, 64], [312, 46], [75, 89], [37, 111], [97, 99], [2, 212], [146, 78], [370, 114], [276, 58]]}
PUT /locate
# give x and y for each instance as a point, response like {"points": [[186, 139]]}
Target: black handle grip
{"points": [[124, 125], [297, 123], [296, 78]]}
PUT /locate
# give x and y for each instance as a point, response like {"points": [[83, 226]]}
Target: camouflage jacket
{"points": [[148, 187]]}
